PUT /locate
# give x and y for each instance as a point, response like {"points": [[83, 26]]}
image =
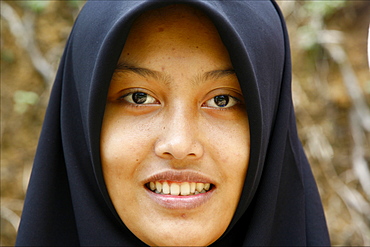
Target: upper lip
{"points": [[179, 176]]}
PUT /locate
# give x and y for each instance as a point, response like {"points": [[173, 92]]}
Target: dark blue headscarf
{"points": [[67, 201]]}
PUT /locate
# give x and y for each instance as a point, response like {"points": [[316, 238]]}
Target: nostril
{"points": [[177, 149], [170, 154]]}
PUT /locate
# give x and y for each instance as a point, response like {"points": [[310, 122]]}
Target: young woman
{"points": [[172, 124]]}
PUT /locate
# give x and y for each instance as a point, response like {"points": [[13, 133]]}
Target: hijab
{"points": [[67, 201]]}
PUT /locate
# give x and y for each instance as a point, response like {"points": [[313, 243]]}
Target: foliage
{"points": [[35, 6], [24, 99], [322, 8]]}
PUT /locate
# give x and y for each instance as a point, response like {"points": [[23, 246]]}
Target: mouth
{"points": [[178, 189]]}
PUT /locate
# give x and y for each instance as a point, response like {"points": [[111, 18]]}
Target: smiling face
{"points": [[175, 134]]}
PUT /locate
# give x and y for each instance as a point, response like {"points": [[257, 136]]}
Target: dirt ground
{"points": [[324, 106]]}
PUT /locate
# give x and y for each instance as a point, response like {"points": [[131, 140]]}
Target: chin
{"points": [[176, 239], [179, 227]]}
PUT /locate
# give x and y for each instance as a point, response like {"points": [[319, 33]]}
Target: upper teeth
{"points": [[176, 189]]}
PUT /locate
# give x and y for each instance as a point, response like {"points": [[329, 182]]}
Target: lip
{"points": [[180, 202]]}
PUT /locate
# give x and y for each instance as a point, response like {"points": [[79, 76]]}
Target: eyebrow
{"points": [[216, 74], [144, 72]]}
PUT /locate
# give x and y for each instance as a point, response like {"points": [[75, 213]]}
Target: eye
{"points": [[222, 101], [139, 98]]}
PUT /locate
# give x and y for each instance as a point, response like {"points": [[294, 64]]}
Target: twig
{"points": [[10, 216], [350, 80], [360, 166], [368, 46], [23, 31], [319, 147], [356, 205], [359, 114]]}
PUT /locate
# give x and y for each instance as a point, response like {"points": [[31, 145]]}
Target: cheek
{"points": [[231, 142], [122, 147], [231, 147], [121, 137], [114, 147]]}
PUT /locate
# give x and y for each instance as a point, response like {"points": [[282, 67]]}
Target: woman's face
{"points": [[175, 134]]}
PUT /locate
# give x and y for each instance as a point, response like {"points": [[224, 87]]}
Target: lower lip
{"points": [[181, 202]]}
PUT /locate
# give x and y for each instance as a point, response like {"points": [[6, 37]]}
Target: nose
{"points": [[179, 137]]}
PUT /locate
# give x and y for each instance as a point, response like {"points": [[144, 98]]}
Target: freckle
{"points": [[173, 49], [197, 47], [162, 68], [169, 57], [160, 29], [164, 128], [128, 54], [137, 160]]}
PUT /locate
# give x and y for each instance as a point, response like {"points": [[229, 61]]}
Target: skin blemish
{"points": [[160, 29]]}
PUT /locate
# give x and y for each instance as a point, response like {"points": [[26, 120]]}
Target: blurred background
{"points": [[331, 90]]}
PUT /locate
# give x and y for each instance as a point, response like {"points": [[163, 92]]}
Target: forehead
{"points": [[173, 31], [173, 23]]}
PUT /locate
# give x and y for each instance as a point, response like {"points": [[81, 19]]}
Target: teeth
{"points": [[158, 186], [165, 188], [175, 189], [152, 186], [183, 189], [192, 188], [200, 187], [207, 186]]}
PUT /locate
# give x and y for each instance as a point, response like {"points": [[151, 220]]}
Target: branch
{"points": [[10, 216], [23, 31], [360, 114], [332, 44]]}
